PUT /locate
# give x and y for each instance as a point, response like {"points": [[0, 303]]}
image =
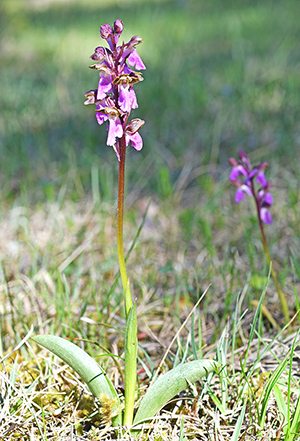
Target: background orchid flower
{"points": [[243, 176]]}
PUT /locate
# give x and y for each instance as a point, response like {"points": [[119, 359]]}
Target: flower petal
{"points": [[104, 87], [265, 216], [239, 195], [236, 171], [101, 117]]}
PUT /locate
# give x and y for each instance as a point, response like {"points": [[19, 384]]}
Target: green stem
{"points": [[125, 283], [130, 310], [283, 301]]}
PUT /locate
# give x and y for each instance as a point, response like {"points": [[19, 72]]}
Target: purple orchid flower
{"points": [[115, 96], [243, 175]]}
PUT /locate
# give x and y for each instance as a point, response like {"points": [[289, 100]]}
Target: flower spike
{"points": [[115, 96]]}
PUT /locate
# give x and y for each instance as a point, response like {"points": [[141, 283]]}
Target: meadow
{"points": [[221, 77]]}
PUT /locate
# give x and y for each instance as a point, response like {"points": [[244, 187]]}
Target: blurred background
{"points": [[221, 76]]}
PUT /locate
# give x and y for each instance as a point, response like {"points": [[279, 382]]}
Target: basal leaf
{"points": [[85, 366], [170, 384]]}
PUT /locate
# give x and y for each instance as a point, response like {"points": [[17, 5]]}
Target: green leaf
{"points": [[130, 364], [170, 384], [85, 366]]}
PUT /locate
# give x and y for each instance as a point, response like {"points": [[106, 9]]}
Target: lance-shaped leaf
{"points": [[130, 365], [85, 366], [170, 384]]}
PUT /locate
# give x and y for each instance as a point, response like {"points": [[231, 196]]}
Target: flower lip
{"points": [[261, 179], [135, 140], [266, 216]]}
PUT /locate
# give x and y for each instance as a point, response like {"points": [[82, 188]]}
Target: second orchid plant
{"points": [[245, 178], [114, 99]]}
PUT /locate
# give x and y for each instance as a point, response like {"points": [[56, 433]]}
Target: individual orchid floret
{"points": [[115, 96], [100, 54], [91, 97], [243, 175], [131, 133], [106, 31], [106, 111], [118, 29], [112, 35]]}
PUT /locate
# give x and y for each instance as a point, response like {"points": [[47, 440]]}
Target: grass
{"points": [[220, 77]]}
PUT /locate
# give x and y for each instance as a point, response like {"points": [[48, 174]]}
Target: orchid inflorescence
{"points": [[115, 97], [263, 197]]}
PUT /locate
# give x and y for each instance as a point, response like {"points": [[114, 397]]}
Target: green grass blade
{"points": [[85, 366], [269, 387], [295, 426], [137, 235], [193, 342], [222, 349], [239, 423], [255, 320], [293, 421], [216, 401], [170, 384], [181, 436], [280, 403], [18, 345]]}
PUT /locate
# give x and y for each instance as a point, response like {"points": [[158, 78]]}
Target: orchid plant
{"points": [[114, 99], [244, 177]]}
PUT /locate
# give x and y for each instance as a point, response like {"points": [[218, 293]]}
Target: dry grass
{"points": [[43, 399], [60, 262]]}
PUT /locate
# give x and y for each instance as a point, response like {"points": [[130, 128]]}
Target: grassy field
{"points": [[221, 76]]}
